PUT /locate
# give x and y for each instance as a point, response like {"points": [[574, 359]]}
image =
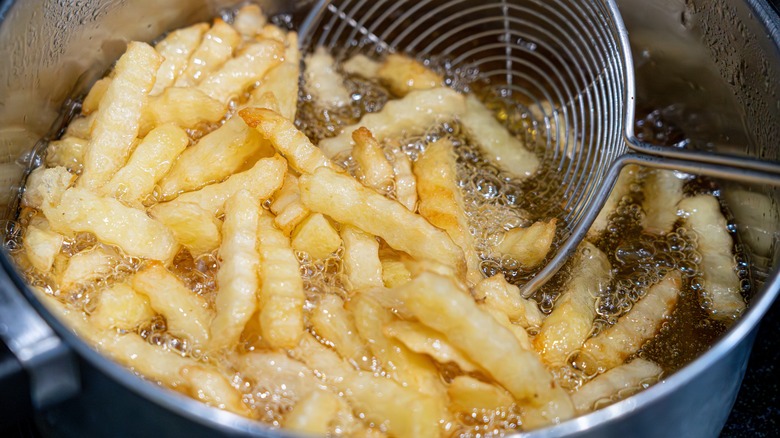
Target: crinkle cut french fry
{"points": [[262, 180], [116, 224], [46, 186], [721, 284], [281, 293], [757, 215], [241, 72], [314, 413], [571, 320], [323, 81], [150, 160], [67, 152], [214, 50], [496, 142], [468, 394], [441, 201], [336, 326], [120, 307], [361, 65], [375, 169], [275, 372], [663, 189], [184, 107], [118, 121], [88, 266], [403, 74], [612, 346], [176, 48], [91, 103], [282, 80], [41, 246], [302, 155], [211, 387], [185, 312], [505, 297], [405, 182], [633, 375], [628, 177], [348, 202], [529, 246], [81, 127], [424, 340], [193, 227], [249, 21], [287, 205], [316, 236], [519, 332], [237, 276], [361, 259], [231, 148], [413, 114]]}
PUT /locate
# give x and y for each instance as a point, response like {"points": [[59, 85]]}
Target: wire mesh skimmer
{"points": [[565, 63]]}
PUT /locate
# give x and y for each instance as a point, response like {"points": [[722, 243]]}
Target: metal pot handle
{"points": [[37, 370]]}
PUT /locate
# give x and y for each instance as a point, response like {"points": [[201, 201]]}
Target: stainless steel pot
{"points": [[711, 65]]}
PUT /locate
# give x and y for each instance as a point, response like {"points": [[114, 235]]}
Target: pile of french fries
{"points": [[189, 150]]}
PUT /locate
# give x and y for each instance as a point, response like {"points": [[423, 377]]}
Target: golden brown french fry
{"points": [[301, 154], [150, 160], [186, 313], [176, 49], [612, 346], [231, 148], [249, 21], [441, 201], [628, 177], [67, 152], [214, 50], [314, 413], [117, 123], [663, 189], [337, 328], [323, 81], [414, 113], [402, 74], [637, 374], [281, 293], [237, 277], [529, 246], [348, 202], [721, 292], [361, 259], [211, 387], [316, 236], [499, 294], [91, 102], [193, 227], [375, 170], [88, 266], [185, 107], [287, 205], [46, 186], [571, 320], [41, 246], [121, 307], [405, 182], [424, 340], [394, 270], [468, 394]]}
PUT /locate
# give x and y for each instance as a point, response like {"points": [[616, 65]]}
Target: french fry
{"points": [[375, 170], [348, 202], [67, 152], [193, 227], [237, 277], [612, 346], [636, 375], [496, 142], [468, 394], [41, 246], [663, 189], [757, 216], [361, 259], [120, 307], [287, 205], [116, 224], [88, 266], [441, 201], [314, 413], [405, 182], [301, 154], [231, 148], [403, 74], [499, 294], [337, 328], [413, 114], [571, 320], [362, 65], [262, 180], [81, 127], [529, 246], [187, 108], [272, 32], [249, 20], [149, 162], [316, 236], [91, 102], [628, 177], [45, 186], [281, 293], [186, 314], [323, 81], [518, 331], [214, 50], [118, 121], [282, 80], [176, 49], [286, 378], [241, 72], [211, 387], [424, 340], [719, 276], [394, 272]]}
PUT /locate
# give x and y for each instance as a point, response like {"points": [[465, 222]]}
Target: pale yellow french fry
{"points": [[117, 123], [468, 394], [114, 223], [186, 313], [721, 292], [361, 259], [237, 276], [757, 215], [441, 201], [375, 170], [281, 293], [193, 227], [211, 387], [336, 327], [287, 205], [323, 81], [241, 72], [361, 65], [301, 154], [612, 346], [214, 50], [405, 182], [272, 32], [529, 246], [424, 340], [149, 162], [314, 413], [316, 236], [402, 74], [628, 178], [663, 189], [415, 113], [120, 307], [518, 331], [81, 127], [282, 81], [348, 202], [231, 148], [88, 266], [185, 107], [249, 21], [67, 152], [46, 186], [176, 49], [275, 372], [262, 180], [635, 375], [571, 320], [496, 142], [92, 100], [41, 246], [505, 297]]}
